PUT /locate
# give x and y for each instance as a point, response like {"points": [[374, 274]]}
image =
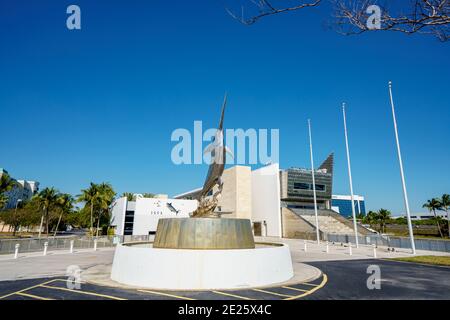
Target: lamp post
{"points": [[313, 182], [405, 194], [355, 227]]}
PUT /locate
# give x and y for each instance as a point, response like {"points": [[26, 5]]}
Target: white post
{"points": [[45, 248], [405, 194], [374, 251], [304, 246], [313, 182], [16, 251], [350, 248], [40, 226], [328, 248], [355, 227], [95, 244], [71, 246]]}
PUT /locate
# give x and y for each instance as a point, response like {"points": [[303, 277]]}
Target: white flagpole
{"points": [[313, 182], [405, 195], [355, 227]]}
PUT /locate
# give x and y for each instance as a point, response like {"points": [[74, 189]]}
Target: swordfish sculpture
{"points": [[218, 152]]}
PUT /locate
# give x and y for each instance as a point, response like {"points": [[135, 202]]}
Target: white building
{"points": [[256, 195], [23, 191], [141, 217], [426, 215]]}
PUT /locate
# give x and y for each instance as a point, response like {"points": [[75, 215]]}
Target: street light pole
{"points": [[355, 227], [405, 194], [313, 182]]}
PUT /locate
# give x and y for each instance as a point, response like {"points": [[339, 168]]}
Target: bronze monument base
{"points": [[204, 233]]}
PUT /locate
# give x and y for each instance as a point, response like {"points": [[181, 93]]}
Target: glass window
{"points": [[301, 186], [320, 187]]}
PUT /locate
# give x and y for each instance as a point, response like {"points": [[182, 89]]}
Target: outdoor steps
{"points": [[328, 224], [308, 213]]}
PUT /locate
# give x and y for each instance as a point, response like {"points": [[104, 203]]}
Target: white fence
{"points": [[395, 242], [8, 246]]}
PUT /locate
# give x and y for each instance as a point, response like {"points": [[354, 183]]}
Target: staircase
{"points": [[330, 222]]}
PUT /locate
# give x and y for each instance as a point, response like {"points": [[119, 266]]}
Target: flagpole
{"points": [[355, 227], [405, 194], [313, 182]]}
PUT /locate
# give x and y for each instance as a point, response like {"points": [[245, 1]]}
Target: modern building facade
{"points": [[248, 194], [297, 188], [342, 204], [23, 191], [279, 203]]}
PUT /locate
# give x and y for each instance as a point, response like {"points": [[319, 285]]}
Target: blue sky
{"points": [[100, 104]]}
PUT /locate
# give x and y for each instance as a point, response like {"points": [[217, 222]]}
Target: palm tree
{"points": [[90, 196], [3, 201], [106, 198], [383, 216], [6, 183], [65, 205], [148, 195], [433, 205], [445, 204], [130, 196], [48, 198]]}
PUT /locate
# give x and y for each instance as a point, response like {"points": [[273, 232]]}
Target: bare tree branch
{"points": [[419, 16], [265, 8], [352, 16]]}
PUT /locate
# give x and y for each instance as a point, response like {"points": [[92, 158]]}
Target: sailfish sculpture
{"points": [[218, 151]]}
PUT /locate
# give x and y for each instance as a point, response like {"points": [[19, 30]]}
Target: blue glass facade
{"points": [[345, 207]]}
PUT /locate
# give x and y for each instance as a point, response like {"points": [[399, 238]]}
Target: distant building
{"points": [[141, 217], [426, 215], [23, 191], [342, 204], [297, 189]]}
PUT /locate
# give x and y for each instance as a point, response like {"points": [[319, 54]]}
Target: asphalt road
{"points": [[341, 280], [399, 280]]}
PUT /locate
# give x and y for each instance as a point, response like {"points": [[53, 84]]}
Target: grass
{"points": [[434, 260]]}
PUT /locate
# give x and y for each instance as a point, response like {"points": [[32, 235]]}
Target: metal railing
{"points": [[8, 246], [393, 242]]}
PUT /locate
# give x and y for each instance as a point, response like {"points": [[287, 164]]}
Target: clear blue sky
{"points": [[100, 104]]}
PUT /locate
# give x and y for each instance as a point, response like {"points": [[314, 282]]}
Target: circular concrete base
{"points": [[141, 265]]}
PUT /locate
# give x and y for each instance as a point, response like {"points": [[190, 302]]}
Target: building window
{"points": [[309, 186], [129, 222], [301, 186], [320, 187]]}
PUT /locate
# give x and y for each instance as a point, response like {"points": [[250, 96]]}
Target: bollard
{"points": [[71, 246], [45, 248], [305, 248], [16, 252], [374, 251], [95, 244], [328, 248], [350, 248]]}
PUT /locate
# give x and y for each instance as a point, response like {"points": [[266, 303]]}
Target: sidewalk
{"points": [[55, 263], [336, 252]]}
